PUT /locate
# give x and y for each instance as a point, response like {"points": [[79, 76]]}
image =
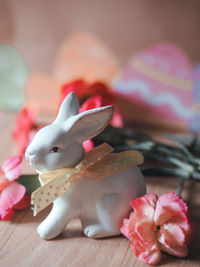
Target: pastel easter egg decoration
{"points": [[194, 124], [42, 93], [84, 56], [157, 85], [13, 75], [81, 56]]}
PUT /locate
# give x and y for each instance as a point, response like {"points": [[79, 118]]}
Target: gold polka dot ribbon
{"points": [[98, 163]]}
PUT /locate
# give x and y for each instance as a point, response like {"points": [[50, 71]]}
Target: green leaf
{"points": [[13, 76], [31, 182]]}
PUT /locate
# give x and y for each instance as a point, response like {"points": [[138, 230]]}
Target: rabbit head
{"points": [[59, 144]]}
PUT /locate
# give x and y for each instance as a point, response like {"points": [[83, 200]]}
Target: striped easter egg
{"points": [[158, 84]]}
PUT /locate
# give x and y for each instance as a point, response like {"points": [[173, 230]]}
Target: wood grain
{"points": [[20, 245]]}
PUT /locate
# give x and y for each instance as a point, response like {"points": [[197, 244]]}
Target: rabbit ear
{"points": [[68, 108], [88, 124]]}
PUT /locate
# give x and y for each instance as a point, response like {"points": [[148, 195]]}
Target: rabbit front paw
{"points": [[95, 231], [46, 232]]}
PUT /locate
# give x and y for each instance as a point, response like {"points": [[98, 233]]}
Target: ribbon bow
{"points": [[98, 163]]}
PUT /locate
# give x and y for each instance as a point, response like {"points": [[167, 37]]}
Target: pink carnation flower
{"points": [[11, 192], [158, 225]]}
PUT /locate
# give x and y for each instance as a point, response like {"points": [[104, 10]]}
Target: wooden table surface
{"points": [[20, 244]]}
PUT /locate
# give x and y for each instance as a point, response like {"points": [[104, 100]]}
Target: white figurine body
{"points": [[99, 204]]}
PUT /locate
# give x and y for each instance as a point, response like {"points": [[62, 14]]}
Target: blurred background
{"points": [[122, 30], [36, 28]]}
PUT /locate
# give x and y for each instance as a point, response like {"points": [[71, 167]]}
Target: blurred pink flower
{"points": [[93, 95], [25, 129], [88, 145], [158, 225], [92, 102], [117, 120], [11, 192], [96, 102], [84, 90]]}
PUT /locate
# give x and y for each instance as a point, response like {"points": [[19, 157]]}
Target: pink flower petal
{"points": [[145, 205], [140, 231], [23, 203], [22, 140], [176, 251], [88, 145], [151, 257], [3, 183], [181, 220], [168, 206], [11, 195], [149, 254], [6, 215], [12, 167], [117, 120], [172, 235], [145, 229], [124, 227], [92, 102]]}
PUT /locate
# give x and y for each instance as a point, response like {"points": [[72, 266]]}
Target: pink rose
{"points": [[158, 225]]}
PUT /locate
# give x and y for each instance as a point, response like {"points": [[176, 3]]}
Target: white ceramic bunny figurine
{"points": [[99, 204]]}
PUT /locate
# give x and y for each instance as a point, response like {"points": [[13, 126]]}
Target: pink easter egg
{"points": [[159, 81]]}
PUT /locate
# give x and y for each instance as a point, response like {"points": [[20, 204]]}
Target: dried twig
{"points": [[184, 157]]}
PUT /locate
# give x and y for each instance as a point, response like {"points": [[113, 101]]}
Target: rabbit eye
{"points": [[54, 149]]}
